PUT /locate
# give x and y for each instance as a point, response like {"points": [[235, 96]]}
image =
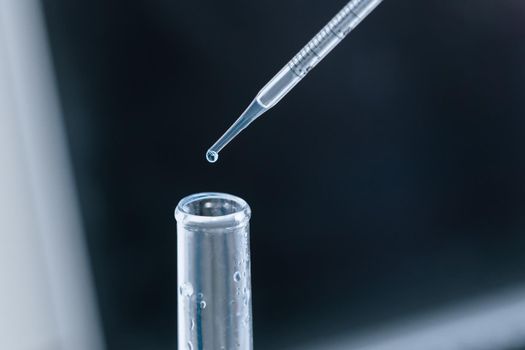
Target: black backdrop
{"points": [[388, 183]]}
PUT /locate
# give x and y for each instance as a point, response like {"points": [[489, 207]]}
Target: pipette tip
{"points": [[212, 156]]}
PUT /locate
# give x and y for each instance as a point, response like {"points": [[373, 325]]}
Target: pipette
{"points": [[293, 72]]}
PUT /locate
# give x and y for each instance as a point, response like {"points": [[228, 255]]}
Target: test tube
{"points": [[214, 288]]}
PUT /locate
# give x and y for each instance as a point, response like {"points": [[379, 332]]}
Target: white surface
{"points": [[493, 323], [46, 298]]}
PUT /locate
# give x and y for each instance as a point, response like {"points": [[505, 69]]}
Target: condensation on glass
{"points": [[214, 288]]}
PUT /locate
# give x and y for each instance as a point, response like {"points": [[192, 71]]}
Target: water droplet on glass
{"points": [[200, 296], [190, 345], [237, 276], [212, 156], [192, 325], [186, 289], [203, 304]]}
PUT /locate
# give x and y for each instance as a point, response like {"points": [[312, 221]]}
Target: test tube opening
{"points": [[212, 204], [212, 210]]}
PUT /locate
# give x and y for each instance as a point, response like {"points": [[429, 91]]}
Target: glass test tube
{"points": [[214, 288]]}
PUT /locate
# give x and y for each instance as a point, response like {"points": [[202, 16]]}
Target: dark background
{"points": [[390, 182]]}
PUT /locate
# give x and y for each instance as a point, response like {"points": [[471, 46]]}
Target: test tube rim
{"points": [[232, 220]]}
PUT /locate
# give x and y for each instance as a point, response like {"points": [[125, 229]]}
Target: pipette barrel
{"points": [[298, 67], [316, 49]]}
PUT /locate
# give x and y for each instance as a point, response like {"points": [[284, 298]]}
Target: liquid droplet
{"points": [[203, 304], [212, 156], [186, 289], [192, 325], [190, 345], [200, 296], [237, 276]]}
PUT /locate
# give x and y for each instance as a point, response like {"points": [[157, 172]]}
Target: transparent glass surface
{"points": [[214, 289], [299, 66]]}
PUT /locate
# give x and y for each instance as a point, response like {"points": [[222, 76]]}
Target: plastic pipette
{"points": [[293, 72]]}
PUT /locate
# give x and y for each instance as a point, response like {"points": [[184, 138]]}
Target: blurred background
{"points": [[387, 188]]}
